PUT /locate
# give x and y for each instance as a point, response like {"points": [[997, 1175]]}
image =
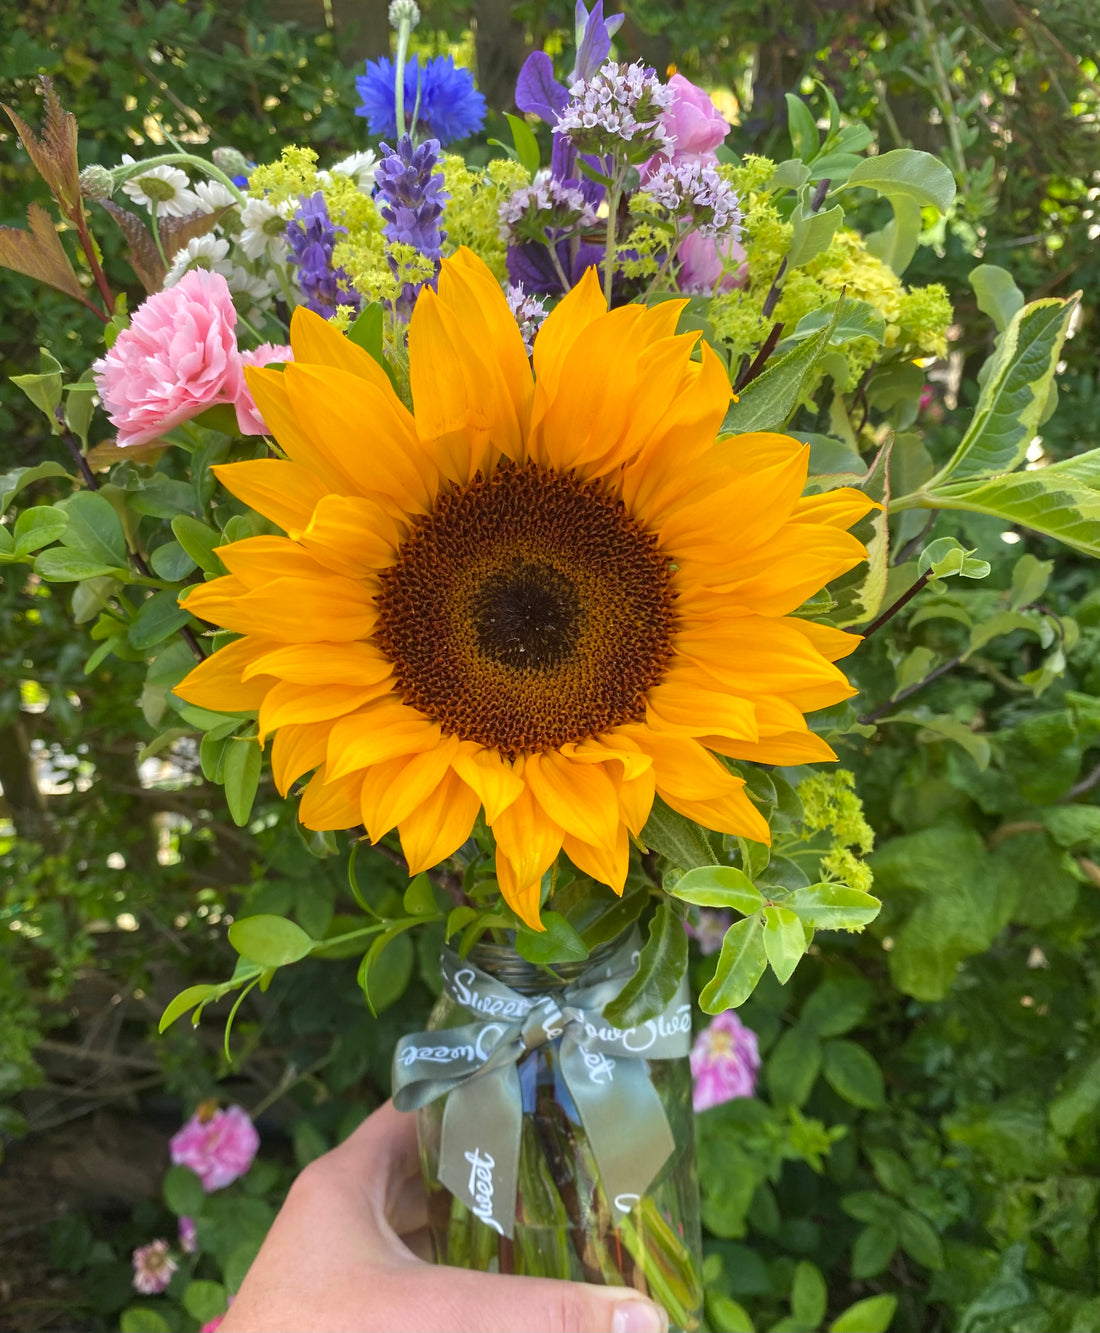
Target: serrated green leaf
{"points": [[1014, 391], [770, 399], [740, 966], [1048, 500], [678, 839], [719, 886], [661, 966], [269, 941]]}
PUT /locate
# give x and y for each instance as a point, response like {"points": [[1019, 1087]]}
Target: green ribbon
{"points": [[604, 1068]]}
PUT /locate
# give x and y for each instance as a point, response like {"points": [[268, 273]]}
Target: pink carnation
{"points": [[692, 120], [153, 1268], [724, 1061], [707, 264], [248, 414], [177, 358], [218, 1148]]}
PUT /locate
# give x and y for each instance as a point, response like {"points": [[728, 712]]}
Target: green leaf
{"points": [[419, 897], [919, 1240], [997, 293], [386, 969], [1073, 825], [909, 173], [1015, 382], [718, 886], [789, 175], [1030, 577], [11, 483], [809, 1295], [833, 906], [37, 527], [270, 941], [44, 388], [157, 619], [661, 967], [171, 562], [740, 966], [805, 139], [142, 1319], [896, 243], [205, 1301], [946, 556], [872, 1315], [458, 918], [183, 1002], [784, 941], [366, 331], [58, 565], [856, 319], [94, 530], [198, 539], [1077, 1102], [243, 761], [183, 1191], [558, 943], [793, 1066], [678, 839], [728, 1315], [1049, 500], [838, 1005], [945, 726], [873, 1250], [770, 399], [527, 146], [853, 1073], [812, 234], [80, 408]]}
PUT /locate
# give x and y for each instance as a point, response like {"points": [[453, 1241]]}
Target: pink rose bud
{"points": [[724, 1061], [177, 358], [248, 414], [707, 264], [693, 120], [218, 1147]]}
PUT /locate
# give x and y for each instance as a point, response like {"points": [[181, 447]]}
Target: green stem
{"points": [[614, 194], [156, 233], [131, 169], [403, 30], [404, 922]]}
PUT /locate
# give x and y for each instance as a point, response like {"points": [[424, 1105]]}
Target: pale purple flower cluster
{"points": [[529, 313], [711, 929], [311, 235], [724, 1061], [694, 190], [218, 1147], [533, 212], [618, 110], [153, 1268], [412, 195]]}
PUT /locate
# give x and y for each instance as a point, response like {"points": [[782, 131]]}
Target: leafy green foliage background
{"points": [[926, 1139]]}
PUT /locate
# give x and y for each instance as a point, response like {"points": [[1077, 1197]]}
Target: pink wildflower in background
{"points": [[218, 1147], [711, 930], [177, 358], [186, 1233], [248, 414], [153, 1268], [724, 1061]]}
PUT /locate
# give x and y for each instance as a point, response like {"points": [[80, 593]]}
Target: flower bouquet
{"points": [[456, 492]]}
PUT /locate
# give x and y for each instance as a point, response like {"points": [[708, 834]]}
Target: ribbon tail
{"points": [[479, 1150], [624, 1119]]}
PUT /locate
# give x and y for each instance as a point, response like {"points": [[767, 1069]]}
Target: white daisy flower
{"points": [[213, 196], [201, 252], [248, 287], [167, 186], [360, 167], [263, 231]]}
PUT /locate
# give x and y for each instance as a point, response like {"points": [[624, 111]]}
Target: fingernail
{"points": [[639, 1317]]}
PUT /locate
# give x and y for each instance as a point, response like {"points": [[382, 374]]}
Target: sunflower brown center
{"points": [[526, 611]]}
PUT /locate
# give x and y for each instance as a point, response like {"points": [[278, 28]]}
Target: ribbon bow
{"points": [[604, 1069]]}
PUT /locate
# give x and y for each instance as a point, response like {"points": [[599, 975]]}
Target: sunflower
{"points": [[548, 593]]}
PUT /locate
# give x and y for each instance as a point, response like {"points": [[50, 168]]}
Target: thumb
{"points": [[496, 1303]]}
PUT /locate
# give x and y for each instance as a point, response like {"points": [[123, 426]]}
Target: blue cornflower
{"points": [[311, 235], [450, 106], [412, 191]]}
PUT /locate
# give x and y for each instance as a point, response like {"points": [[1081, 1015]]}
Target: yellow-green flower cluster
{"points": [[471, 216], [645, 246], [296, 174], [830, 805]]}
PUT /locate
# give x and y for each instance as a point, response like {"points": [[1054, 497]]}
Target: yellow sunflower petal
{"points": [[392, 791], [579, 308], [788, 748], [383, 730], [290, 702], [319, 663], [295, 610], [490, 775], [330, 804], [351, 535], [829, 642], [799, 560], [608, 864], [270, 390], [283, 492], [523, 896], [297, 749], [218, 683], [527, 838], [581, 798], [685, 701], [258, 560], [839, 509], [316, 342], [440, 824], [731, 812]]}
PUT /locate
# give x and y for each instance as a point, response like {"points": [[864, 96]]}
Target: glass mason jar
{"points": [[563, 1222]]}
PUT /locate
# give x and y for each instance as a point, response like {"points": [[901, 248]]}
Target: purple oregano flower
{"points": [[412, 189], [311, 235]]}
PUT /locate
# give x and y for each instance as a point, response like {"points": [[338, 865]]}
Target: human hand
{"points": [[342, 1257]]}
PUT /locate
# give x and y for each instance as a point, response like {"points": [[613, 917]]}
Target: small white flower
{"points": [[249, 288], [201, 252], [264, 231], [213, 196], [167, 186], [153, 1268], [696, 191], [360, 168], [529, 312]]}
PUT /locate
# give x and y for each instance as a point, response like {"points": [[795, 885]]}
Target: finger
{"points": [[407, 1207], [381, 1155], [491, 1303]]}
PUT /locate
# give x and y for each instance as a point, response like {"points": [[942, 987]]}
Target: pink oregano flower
{"points": [[178, 357], [724, 1061], [218, 1147], [249, 420]]}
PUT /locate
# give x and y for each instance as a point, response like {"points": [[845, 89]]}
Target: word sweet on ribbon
{"points": [[604, 1069]]}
